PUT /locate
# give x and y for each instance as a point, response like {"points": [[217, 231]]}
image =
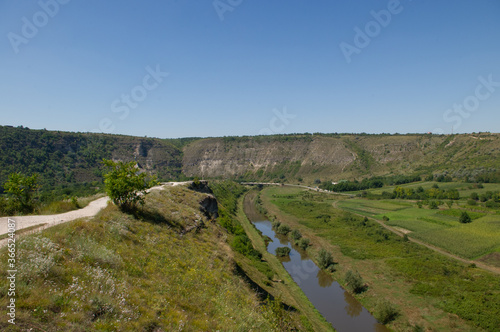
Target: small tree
{"points": [[304, 243], [283, 229], [354, 281], [325, 259], [465, 218], [21, 189], [125, 185], [282, 251], [386, 312], [296, 235]]}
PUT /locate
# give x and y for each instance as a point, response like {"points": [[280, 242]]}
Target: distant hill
{"points": [[343, 156], [65, 160], [72, 160]]}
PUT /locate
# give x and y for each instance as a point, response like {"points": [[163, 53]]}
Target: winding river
{"points": [[336, 305]]}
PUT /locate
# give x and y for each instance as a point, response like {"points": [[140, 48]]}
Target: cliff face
{"points": [[338, 156], [68, 158]]}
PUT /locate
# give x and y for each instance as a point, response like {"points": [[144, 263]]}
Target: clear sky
{"points": [[181, 68]]}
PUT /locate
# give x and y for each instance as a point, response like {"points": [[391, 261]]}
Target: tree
{"points": [[354, 281], [465, 218], [325, 259], [126, 185], [21, 189]]}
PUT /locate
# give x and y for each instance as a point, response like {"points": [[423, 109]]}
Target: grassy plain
{"points": [[439, 227], [429, 290]]}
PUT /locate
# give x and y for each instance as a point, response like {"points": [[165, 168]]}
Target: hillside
{"points": [[70, 162], [169, 268], [337, 157]]}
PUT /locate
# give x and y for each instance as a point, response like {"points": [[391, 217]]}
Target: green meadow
{"points": [[439, 227]]}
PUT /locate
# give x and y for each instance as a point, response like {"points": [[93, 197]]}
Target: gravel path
{"points": [[46, 221]]}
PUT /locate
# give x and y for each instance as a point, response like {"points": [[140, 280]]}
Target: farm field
{"points": [[465, 189], [431, 291], [439, 227]]}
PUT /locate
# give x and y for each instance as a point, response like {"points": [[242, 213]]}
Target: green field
{"points": [[465, 189], [439, 227], [428, 288]]}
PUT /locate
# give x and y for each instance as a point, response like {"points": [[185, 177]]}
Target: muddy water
{"points": [[338, 307]]}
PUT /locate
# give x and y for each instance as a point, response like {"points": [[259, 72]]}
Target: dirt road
{"points": [[45, 221]]}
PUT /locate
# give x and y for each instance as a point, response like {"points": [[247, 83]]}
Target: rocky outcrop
{"points": [[209, 207]]}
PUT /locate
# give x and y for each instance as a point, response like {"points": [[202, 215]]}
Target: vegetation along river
{"points": [[338, 307]]}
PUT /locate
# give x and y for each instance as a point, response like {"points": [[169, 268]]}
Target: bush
{"points": [[304, 243], [282, 251], [125, 185], [433, 205], [296, 235], [385, 218], [276, 224], [471, 202], [283, 229], [242, 244], [386, 312], [21, 190], [325, 259], [465, 218], [354, 281]]}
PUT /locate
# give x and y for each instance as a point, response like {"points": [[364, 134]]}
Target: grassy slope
{"points": [[115, 272], [428, 289]]}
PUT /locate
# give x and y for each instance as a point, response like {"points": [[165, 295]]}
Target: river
{"points": [[336, 305]]}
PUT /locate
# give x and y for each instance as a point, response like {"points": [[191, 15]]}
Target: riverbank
{"points": [[283, 285], [401, 272]]}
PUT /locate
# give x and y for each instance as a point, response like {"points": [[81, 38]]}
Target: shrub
{"points": [[125, 185], [296, 235], [471, 202], [283, 229], [242, 244], [354, 281], [325, 259], [304, 243], [386, 312], [433, 205], [465, 218], [22, 189], [282, 251], [385, 218], [276, 224]]}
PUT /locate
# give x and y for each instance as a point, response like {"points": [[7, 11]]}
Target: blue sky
{"points": [[185, 68]]}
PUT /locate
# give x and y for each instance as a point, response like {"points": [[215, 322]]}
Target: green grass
{"points": [[439, 227], [289, 291], [425, 285], [119, 273]]}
